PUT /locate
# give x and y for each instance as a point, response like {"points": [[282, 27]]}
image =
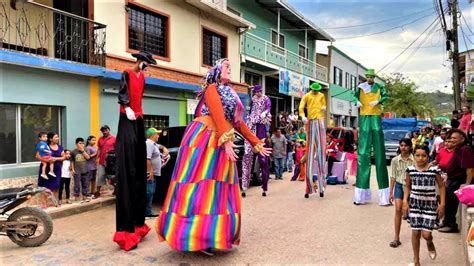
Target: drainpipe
{"points": [[241, 31], [278, 28]]}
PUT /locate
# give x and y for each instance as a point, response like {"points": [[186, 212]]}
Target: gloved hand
{"points": [[373, 103], [130, 113], [358, 104], [324, 109], [263, 114], [305, 120]]}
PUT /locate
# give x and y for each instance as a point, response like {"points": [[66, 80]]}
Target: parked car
{"points": [[171, 138], [392, 138]]}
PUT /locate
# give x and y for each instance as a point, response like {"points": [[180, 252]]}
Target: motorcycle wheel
{"points": [[38, 234]]}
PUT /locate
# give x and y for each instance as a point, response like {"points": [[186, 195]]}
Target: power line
{"points": [[404, 50], [417, 48], [380, 32], [465, 43], [377, 22], [465, 22]]}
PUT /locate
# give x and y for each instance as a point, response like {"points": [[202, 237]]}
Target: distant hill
{"points": [[442, 103]]}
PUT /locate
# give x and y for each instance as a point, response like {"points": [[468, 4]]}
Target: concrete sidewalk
{"points": [[77, 207]]}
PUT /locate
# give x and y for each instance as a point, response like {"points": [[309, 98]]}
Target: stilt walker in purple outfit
{"points": [[257, 120]]}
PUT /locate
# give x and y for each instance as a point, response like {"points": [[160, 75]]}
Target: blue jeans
{"points": [[289, 161], [279, 162], [150, 191]]}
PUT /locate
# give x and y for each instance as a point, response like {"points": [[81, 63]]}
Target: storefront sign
{"points": [[292, 83], [342, 107], [469, 78]]}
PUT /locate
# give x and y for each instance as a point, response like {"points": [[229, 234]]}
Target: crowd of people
{"points": [[86, 164]]}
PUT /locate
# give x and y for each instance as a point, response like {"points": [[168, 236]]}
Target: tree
{"points": [[404, 98]]}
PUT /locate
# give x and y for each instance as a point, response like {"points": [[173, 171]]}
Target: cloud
{"points": [[424, 67]]}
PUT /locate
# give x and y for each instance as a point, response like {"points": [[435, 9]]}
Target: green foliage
{"points": [[404, 98]]}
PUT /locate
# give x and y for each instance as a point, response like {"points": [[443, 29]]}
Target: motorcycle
{"points": [[26, 226]]}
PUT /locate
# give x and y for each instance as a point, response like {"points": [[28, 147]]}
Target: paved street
{"points": [[282, 228]]}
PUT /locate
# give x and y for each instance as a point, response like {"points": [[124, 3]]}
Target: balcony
{"points": [[41, 30], [261, 49]]}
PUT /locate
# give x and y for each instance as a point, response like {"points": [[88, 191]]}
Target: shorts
{"points": [[398, 193], [46, 157], [101, 175]]}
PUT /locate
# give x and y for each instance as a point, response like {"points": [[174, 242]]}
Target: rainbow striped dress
{"points": [[202, 208]]}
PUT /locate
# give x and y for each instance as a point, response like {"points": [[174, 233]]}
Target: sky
{"points": [[428, 66]]}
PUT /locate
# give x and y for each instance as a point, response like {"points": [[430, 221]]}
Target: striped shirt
{"points": [[399, 167]]}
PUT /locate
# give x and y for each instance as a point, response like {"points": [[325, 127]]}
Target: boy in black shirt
{"points": [[80, 170]]}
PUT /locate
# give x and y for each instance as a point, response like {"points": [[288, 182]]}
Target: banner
{"points": [[292, 83], [469, 78]]}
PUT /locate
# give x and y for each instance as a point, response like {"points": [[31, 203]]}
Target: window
{"points": [[214, 47], [253, 79], [278, 41], [361, 79], [348, 80], [159, 122], [20, 134], [337, 76], [353, 82], [303, 51], [147, 31]]}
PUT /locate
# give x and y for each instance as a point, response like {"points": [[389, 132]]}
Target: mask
{"points": [[143, 65]]}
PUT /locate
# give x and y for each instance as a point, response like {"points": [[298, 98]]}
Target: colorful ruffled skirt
{"points": [[202, 207]]}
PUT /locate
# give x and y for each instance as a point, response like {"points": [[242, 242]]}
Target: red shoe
{"points": [[126, 240], [142, 231]]}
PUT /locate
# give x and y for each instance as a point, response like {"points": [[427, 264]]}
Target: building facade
{"points": [[61, 63], [345, 74], [280, 52]]}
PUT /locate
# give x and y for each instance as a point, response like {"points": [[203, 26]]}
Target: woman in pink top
{"points": [[466, 119], [444, 155]]}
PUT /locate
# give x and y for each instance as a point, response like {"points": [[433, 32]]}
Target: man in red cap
{"points": [[131, 157]]}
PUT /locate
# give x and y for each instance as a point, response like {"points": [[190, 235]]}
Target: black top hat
{"points": [[145, 56]]}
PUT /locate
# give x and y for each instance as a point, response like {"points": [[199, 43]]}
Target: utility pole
{"points": [[454, 35]]}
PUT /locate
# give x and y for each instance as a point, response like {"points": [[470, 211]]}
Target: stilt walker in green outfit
{"points": [[369, 97]]}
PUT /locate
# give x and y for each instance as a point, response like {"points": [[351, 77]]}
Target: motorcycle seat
{"points": [[9, 192]]}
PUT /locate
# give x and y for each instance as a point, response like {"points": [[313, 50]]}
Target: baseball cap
{"points": [[151, 131]]}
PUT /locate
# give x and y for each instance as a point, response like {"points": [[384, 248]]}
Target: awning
{"points": [[296, 19], [221, 13]]}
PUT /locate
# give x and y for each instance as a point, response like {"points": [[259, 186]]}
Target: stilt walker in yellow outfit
{"points": [[369, 97], [315, 103]]}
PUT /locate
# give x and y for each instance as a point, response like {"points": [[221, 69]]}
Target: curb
{"points": [[76, 208]]}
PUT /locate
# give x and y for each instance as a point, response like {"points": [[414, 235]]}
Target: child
{"points": [[91, 162], [80, 170], [301, 161], [423, 208], [45, 153], [299, 152], [399, 166], [65, 181]]}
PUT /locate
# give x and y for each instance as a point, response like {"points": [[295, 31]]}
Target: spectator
{"points": [[460, 172], [57, 156], [444, 156], [106, 144], [300, 167], [302, 134], [293, 119], [279, 144], [465, 123], [92, 163], [45, 153], [438, 143], [331, 151], [155, 161], [80, 171], [65, 182], [290, 147], [455, 119]]}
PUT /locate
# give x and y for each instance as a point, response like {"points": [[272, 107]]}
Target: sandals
{"points": [[431, 250], [395, 243]]}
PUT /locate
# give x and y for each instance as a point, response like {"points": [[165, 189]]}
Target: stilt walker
{"points": [[369, 97], [202, 208], [131, 157], [315, 103], [258, 120]]}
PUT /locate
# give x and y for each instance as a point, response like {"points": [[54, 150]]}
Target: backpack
{"points": [[110, 163]]}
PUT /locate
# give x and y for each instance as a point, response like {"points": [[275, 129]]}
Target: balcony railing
{"points": [[42, 30], [261, 49]]}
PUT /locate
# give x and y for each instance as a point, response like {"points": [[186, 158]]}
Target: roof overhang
{"points": [[296, 19], [223, 14]]}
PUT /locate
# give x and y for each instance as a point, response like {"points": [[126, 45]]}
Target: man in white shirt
{"points": [[438, 143]]}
